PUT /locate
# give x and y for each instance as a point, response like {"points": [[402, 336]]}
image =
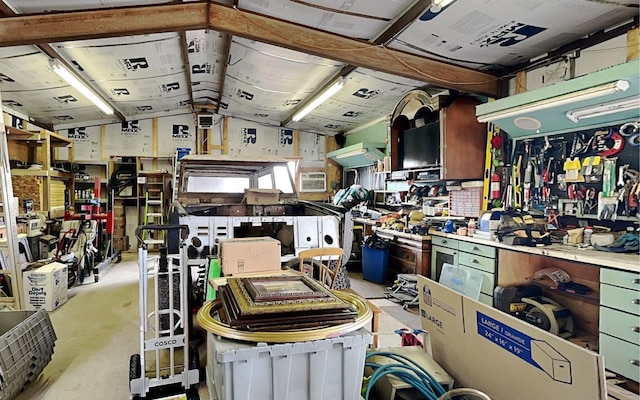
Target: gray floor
{"points": [[97, 331]]}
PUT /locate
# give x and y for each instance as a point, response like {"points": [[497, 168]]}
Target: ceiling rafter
{"points": [[53, 53], [171, 17]]}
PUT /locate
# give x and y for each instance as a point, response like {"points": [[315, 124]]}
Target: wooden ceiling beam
{"points": [[137, 20], [100, 23], [350, 51]]}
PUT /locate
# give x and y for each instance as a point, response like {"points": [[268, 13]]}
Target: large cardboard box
{"points": [[45, 287], [503, 356], [242, 255], [262, 196]]}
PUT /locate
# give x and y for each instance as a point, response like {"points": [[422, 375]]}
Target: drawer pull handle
{"points": [[635, 301], [635, 362], [475, 261], [476, 248], [444, 242], [635, 329], [635, 281]]}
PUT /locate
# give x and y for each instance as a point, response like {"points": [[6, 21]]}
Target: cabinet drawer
{"points": [[487, 278], [619, 298], [398, 267], [620, 356], [478, 249], [445, 242], [626, 279], [621, 325], [486, 299], [474, 261], [403, 254]]}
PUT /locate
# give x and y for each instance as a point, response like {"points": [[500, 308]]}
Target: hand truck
{"points": [[164, 331]]}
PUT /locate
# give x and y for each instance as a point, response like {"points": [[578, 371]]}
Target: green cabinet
{"points": [[467, 256], [619, 325]]}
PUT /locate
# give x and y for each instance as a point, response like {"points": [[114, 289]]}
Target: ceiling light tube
{"points": [[604, 109], [65, 74], [319, 100], [442, 3], [569, 98]]}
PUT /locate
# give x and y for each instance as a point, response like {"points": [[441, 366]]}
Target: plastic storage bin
{"points": [[327, 369], [374, 264], [27, 339]]}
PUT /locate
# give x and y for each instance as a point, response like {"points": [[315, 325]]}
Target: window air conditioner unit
{"points": [[313, 182], [205, 121]]}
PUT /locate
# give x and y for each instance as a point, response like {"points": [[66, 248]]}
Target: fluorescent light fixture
{"points": [[604, 109], [442, 3], [319, 100], [351, 153], [65, 74], [569, 98]]}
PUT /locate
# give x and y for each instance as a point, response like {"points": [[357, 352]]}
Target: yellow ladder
{"points": [[153, 215]]}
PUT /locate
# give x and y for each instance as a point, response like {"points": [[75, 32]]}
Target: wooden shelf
{"points": [[43, 173], [593, 296], [18, 134]]}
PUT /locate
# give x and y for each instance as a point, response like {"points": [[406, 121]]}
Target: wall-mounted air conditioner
{"points": [[205, 121], [313, 182]]}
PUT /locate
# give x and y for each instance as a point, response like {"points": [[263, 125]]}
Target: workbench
{"points": [[606, 319]]}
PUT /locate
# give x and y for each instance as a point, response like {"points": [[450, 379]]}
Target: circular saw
{"points": [[549, 315]]}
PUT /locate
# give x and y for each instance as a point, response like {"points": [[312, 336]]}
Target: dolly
{"points": [[164, 332]]}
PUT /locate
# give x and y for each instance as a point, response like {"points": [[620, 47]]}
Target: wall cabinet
{"points": [[462, 137]]}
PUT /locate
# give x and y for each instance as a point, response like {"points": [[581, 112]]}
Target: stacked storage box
{"points": [[120, 238], [26, 346], [325, 369]]}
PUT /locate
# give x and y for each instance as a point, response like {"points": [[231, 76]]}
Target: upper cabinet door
{"points": [[463, 139]]}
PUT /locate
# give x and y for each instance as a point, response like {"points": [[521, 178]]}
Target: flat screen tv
{"points": [[420, 147]]}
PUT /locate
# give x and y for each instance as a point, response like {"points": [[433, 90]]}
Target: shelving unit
{"points": [[10, 272], [90, 188], [48, 188]]}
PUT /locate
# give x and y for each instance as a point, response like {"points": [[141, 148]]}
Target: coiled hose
{"points": [[408, 371], [415, 375]]}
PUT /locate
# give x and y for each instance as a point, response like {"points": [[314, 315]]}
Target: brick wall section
{"points": [[28, 187]]}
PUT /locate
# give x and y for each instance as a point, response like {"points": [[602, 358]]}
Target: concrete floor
{"points": [[97, 332]]}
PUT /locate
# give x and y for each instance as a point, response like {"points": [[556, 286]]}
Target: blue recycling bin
{"points": [[374, 264]]}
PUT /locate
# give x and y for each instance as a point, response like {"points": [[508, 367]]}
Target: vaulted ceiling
{"points": [[263, 60]]}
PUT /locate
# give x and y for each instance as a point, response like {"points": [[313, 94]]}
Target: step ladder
{"points": [[153, 215]]}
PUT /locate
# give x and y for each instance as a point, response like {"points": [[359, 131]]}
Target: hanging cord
{"points": [[120, 179], [407, 370]]}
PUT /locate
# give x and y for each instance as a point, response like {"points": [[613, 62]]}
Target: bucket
{"points": [[374, 264]]}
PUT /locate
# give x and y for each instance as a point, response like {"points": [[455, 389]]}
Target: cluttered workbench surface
{"points": [[626, 261]]}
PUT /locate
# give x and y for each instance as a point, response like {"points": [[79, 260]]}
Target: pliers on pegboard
{"points": [[590, 204]]}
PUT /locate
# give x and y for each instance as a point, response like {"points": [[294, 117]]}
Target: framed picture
{"points": [[282, 294], [281, 288]]}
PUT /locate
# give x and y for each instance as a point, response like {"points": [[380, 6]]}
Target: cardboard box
{"points": [[45, 287], [262, 196], [238, 256], [503, 356], [121, 243]]}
